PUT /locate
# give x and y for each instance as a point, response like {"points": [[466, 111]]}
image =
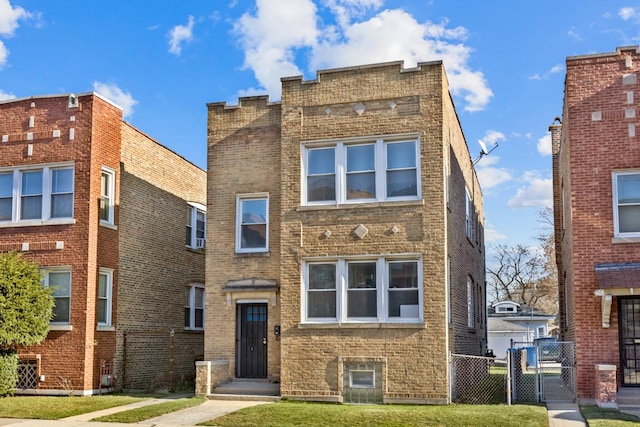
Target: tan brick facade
{"points": [[143, 250], [595, 139], [258, 147]]}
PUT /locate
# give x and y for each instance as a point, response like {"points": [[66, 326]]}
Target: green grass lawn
{"points": [[56, 407], [599, 417], [151, 411], [299, 414]]}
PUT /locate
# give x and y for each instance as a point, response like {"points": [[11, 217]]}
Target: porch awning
{"points": [[616, 279]]}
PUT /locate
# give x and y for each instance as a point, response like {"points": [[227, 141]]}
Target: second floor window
{"points": [[468, 203], [196, 226], [36, 194], [626, 197], [361, 171], [107, 196], [252, 223]]}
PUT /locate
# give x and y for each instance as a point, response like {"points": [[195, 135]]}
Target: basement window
{"points": [[362, 379]]}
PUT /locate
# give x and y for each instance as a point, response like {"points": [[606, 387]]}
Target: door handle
{"points": [[264, 341]]}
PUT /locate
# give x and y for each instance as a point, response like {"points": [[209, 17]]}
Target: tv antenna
{"points": [[484, 151]]}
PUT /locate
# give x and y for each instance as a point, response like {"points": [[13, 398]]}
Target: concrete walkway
{"points": [[208, 410], [565, 415], [560, 415]]}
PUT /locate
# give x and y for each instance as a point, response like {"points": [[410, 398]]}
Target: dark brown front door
{"points": [[630, 341], [252, 341]]}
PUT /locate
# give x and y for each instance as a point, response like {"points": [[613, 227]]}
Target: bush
{"points": [[8, 373]]}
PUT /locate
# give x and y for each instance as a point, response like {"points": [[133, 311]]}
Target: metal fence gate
{"points": [[556, 371], [542, 371]]}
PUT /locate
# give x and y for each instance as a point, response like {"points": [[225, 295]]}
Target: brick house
{"points": [[102, 208], [596, 183], [347, 258]]}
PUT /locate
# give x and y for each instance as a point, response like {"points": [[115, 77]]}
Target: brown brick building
{"points": [[102, 208], [346, 255], [596, 182]]}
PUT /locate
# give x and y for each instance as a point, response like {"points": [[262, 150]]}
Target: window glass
{"points": [[361, 174], [403, 289], [254, 224], [104, 298], [401, 169], [62, 193], [61, 284], [321, 301], [361, 295], [31, 204], [106, 197], [628, 203], [194, 307], [6, 196], [321, 180]]}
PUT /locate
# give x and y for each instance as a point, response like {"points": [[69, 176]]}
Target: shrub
{"points": [[8, 373]]}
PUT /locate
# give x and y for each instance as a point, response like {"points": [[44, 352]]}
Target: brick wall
{"points": [[596, 139], [256, 146], [155, 266]]}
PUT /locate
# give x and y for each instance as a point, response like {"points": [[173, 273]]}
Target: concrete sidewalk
{"points": [[208, 410], [565, 415], [560, 415]]}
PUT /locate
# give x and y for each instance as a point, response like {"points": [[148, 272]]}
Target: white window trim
{"points": [[45, 218], [109, 275], [194, 207], [468, 201], [381, 143], [45, 282], [239, 199], [471, 304], [192, 307], [616, 220], [111, 174], [382, 289]]}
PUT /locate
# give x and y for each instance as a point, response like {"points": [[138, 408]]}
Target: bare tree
{"points": [[526, 275]]}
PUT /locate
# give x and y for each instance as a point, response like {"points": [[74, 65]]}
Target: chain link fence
{"points": [[477, 380]]}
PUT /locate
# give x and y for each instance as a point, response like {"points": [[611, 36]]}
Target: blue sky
{"points": [[163, 60]]}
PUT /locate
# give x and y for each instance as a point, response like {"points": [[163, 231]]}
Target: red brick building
{"points": [[596, 182], [102, 209]]}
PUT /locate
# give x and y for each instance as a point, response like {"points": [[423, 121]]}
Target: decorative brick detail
{"points": [[606, 388]]}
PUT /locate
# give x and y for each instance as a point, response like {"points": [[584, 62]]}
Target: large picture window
{"points": [[361, 171], [626, 195], [371, 289], [37, 195], [252, 223], [60, 280]]}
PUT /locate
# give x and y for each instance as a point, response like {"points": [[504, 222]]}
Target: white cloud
{"points": [[179, 35], [574, 34], [4, 53], [117, 96], [558, 68], [537, 192], [491, 177], [277, 31], [627, 13], [9, 17], [270, 37], [4, 95], [491, 235], [544, 145]]}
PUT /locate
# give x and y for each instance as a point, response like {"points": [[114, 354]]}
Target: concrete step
{"points": [[628, 396], [246, 389]]}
